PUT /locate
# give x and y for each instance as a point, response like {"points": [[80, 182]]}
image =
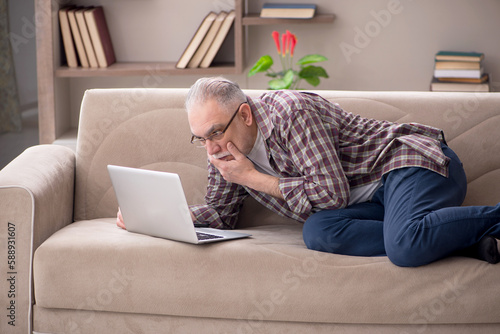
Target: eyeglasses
{"points": [[217, 135]]}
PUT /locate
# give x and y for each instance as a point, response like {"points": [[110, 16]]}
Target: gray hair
{"points": [[226, 93]]}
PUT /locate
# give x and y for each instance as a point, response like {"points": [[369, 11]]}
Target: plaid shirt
{"points": [[321, 152]]}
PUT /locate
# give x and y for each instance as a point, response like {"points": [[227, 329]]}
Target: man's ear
{"points": [[246, 114]]}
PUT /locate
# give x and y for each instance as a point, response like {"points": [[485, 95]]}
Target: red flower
{"points": [[288, 40], [293, 43], [284, 43], [276, 37]]}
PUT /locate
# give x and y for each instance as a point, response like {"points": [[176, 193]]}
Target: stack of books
{"points": [[288, 11], [207, 40], [459, 72], [86, 38]]}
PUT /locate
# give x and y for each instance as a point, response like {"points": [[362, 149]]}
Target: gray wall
{"points": [[23, 42], [390, 44]]}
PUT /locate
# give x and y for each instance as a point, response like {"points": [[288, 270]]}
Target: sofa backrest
{"points": [[148, 128], [142, 128]]}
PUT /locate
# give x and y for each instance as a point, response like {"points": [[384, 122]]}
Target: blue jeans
{"points": [[414, 218]]}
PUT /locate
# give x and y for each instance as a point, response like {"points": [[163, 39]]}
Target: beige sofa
{"points": [[76, 272]]}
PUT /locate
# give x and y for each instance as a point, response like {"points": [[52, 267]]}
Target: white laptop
{"points": [[153, 203]]}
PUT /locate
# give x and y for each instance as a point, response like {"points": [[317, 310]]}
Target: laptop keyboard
{"points": [[205, 236]]}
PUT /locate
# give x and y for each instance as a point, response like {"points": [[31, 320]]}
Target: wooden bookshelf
{"points": [[54, 78], [53, 99]]}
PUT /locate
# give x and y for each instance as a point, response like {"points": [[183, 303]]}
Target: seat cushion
{"points": [[93, 265]]}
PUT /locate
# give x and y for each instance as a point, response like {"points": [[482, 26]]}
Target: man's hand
{"points": [[242, 171], [119, 220], [238, 170]]}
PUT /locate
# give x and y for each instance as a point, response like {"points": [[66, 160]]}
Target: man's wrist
{"points": [[265, 183]]}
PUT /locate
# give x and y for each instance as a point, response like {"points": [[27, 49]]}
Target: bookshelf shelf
{"points": [[255, 19], [142, 69]]}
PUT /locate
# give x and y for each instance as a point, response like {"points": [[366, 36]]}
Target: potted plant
{"points": [[288, 77]]}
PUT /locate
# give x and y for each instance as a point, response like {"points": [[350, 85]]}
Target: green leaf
{"points": [[309, 59], [284, 83], [262, 65], [288, 78], [276, 84], [313, 72], [313, 81]]}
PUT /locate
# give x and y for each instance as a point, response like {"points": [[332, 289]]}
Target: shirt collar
{"points": [[262, 116]]}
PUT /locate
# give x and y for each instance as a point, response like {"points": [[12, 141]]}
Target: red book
{"points": [[99, 34]]}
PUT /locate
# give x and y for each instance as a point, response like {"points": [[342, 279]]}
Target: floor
{"points": [[14, 143]]}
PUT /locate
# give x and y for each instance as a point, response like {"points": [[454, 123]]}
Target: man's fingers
{"points": [[234, 151], [119, 220], [214, 161], [121, 225]]}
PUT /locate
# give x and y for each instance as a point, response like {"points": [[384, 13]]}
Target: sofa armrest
{"points": [[36, 199]]}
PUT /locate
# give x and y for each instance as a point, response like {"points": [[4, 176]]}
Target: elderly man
{"points": [[362, 187]]}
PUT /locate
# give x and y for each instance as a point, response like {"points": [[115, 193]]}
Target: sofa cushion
{"points": [[93, 265]]}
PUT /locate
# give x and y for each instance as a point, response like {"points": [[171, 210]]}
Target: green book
{"points": [[459, 56]]}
